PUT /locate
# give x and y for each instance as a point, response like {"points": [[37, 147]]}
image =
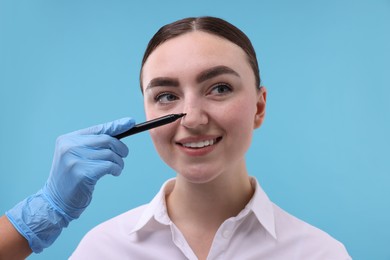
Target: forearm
{"points": [[12, 244]]}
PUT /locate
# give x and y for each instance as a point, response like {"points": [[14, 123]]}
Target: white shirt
{"points": [[261, 230]]}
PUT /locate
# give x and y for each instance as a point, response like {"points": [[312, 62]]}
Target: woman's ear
{"points": [[260, 112]]}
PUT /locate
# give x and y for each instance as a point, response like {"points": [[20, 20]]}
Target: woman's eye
{"points": [[165, 98], [221, 89]]}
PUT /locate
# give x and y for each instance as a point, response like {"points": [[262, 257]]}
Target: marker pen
{"points": [[150, 124]]}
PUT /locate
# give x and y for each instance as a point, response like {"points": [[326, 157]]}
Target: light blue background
{"points": [[322, 153]]}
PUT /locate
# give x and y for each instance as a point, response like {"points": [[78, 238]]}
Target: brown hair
{"points": [[212, 25]]}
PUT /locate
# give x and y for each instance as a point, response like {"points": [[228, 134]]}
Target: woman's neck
{"points": [[209, 204], [198, 210]]}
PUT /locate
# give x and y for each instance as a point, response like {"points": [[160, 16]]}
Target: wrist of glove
{"points": [[81, 158], [38, 220]]}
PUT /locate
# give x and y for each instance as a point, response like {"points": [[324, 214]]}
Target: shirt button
{"points": [[226, 233]]}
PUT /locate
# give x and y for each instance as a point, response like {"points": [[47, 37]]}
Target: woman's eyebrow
{"points": [[214, 72], [163, 82], [203, 76]]}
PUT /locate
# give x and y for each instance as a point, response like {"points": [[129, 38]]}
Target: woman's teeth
{"points": [[200, 144]]}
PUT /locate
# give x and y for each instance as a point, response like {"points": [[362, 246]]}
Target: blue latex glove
{"points": [[81, 158]]}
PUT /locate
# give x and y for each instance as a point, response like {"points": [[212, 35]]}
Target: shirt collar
{"points": [[156, 209], [260, 205], [263, 208]]}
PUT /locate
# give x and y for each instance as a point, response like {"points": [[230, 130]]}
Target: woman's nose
{"points": [[196, 116]]}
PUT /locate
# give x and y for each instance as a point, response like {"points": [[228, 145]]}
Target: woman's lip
{"points": [[191, 139], [198, 139], [200, 144], [199, 151]]}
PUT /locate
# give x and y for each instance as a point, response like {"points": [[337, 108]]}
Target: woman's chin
{"points": [[197, 176]]}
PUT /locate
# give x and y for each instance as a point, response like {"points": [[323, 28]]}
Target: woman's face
{"points": [[209, 79]]}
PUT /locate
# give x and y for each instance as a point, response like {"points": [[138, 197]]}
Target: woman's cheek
{"points": [[162, 137], [241, 116], [157, 135]]}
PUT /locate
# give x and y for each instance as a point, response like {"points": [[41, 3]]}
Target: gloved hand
{"points": [[81, 158]]}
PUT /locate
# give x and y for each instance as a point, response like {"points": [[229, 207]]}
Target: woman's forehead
{"points": [[194, 48]]}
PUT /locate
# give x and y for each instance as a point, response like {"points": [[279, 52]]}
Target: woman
{"points": [[206, 68]]}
